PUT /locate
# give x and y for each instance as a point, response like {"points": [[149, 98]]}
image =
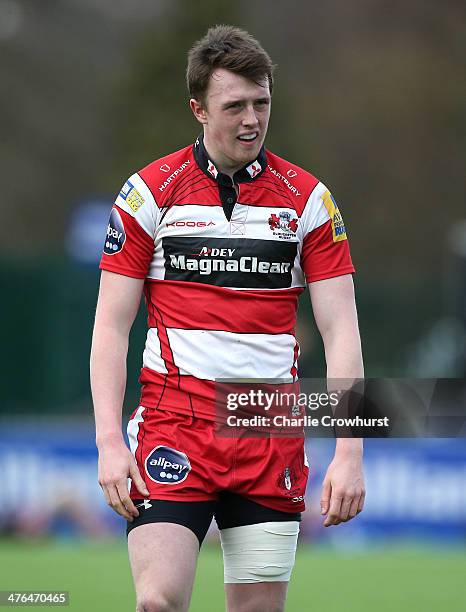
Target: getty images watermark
{"points": [[341, 408], [299, 403]]}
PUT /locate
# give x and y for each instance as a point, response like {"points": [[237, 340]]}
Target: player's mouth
{"points": [[248, 138]]}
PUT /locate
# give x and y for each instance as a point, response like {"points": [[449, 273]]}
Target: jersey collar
{"points": [[248, 173]]}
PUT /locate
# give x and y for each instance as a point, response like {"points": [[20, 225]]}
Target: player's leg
{"points": [[163, 544], [258, 563], [164, 540], [163, 560], [259, 546], [260, 525], [260, 597]]}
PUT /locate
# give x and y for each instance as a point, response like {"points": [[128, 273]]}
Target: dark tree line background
{"points": [[370, 96]]}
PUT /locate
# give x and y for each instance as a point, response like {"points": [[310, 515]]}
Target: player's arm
{"points": [[335, 314], [117, 306]]}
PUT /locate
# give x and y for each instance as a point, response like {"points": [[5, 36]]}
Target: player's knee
{"points": [[152, 603], [158, 602]]}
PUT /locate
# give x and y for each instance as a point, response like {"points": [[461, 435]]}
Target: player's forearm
{"points": [[108, 381], [343, 354], [344, 366]]}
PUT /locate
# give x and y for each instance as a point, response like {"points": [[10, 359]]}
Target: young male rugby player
{"points": [[222, 237]]}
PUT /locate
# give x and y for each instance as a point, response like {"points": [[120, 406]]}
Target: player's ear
{"points": [[198, 110]]}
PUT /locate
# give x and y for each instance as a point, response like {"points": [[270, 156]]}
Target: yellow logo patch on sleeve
{"points": [[338, 225], [131, 196], [134, 199]]}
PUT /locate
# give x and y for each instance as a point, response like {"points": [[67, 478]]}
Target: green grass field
{"points": [[98, 578]]}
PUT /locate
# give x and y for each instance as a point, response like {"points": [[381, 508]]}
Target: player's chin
{"points": [[247, 153]]}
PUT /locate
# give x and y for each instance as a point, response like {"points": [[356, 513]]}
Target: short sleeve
{"points": [[325, 251], [129, 243]]}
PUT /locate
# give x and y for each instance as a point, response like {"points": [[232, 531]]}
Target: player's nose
{"points": [[249, 118]]}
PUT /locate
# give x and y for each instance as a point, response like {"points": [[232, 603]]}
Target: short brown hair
{"points": [[228, 47]]}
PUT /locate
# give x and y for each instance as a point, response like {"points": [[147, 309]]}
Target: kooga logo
{"points": [[206, 263]]}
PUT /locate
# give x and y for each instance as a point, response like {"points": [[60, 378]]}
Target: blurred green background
{"points": [[98, 577], [369, 96]]}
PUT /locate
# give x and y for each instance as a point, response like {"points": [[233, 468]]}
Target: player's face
{"points": [[235, 118]]}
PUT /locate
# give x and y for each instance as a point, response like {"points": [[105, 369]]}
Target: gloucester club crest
{"points": [[283, 225]]}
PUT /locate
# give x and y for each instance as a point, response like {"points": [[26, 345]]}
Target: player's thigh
{"points": [[258, 561], [163, 559], [260, 597]]}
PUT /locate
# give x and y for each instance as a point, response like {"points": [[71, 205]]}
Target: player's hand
{"points": [[116, 464], [343, 489]]}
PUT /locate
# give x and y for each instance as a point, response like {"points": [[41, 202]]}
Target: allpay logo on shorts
{"points": [[166, 465]]}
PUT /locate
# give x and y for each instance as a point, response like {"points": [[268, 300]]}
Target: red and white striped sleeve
{"points": [[325, 250], [129, 244]]}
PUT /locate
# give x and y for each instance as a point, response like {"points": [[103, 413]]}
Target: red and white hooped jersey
{"points": [[223, 269]]}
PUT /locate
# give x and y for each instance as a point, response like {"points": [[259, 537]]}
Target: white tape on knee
{"points": [[264, 552]]}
